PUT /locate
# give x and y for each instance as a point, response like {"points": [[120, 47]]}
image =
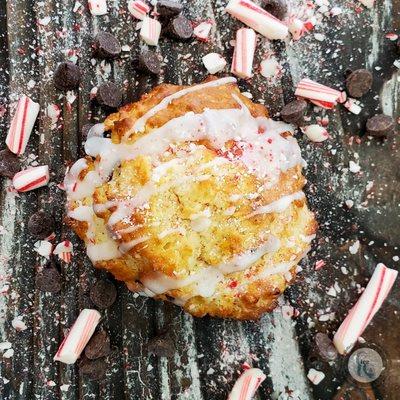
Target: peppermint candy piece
{"points": [[31, 178], [247, 384], [22, 125], [316, 133], [64, 250], [243, 56], [150, 31], [202, 31], [139, 9], [98, 7], [214, 62], [321, 95]]}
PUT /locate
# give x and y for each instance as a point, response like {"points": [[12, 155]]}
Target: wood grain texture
{"points": [[209, 352]]}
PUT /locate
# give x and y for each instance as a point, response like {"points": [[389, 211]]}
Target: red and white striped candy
{"points": [[64, 250], [31, 178], [150, 31], [214, 62], [366, 307], [98, 7], [22, 125], [248, 383], [243, 56], [257, 18], [352, 106], [78, 337], [321, 95], [138, 8], [202, 31]]}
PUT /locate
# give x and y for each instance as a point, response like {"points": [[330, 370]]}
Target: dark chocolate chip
{"points": [[161, 346], [180, 28], [109, 95], [380, 125], [9, 164], [93, 369], [49, 280], [294, 111], [103, 294], [41, 225], [106, 45], [359, 82], [167, 8], [98, 346], [149, 62], [325, 347], [278, 8], [67, 76]]}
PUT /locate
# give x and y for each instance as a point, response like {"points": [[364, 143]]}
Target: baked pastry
{"points": [[196, 199]]}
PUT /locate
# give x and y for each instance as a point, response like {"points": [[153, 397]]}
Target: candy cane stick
{"points": [[247, 384], [366, 307], [320, 95], [31, 178], [150, 31], [139, 9], [22, 125], [78, 337], [257, 18], [243, 56]]}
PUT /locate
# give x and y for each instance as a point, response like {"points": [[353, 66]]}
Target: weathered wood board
{"points": [[209, 352]]}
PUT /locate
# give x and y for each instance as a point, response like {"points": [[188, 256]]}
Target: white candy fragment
{"points": [[98, 7], [247, 384], [353, 249], [316, 133], [138, 8], [18, 324], [44, 248], [296, 28], [269, 67], [243, 56], [22, 125], [150, 31], [352, 106], [202, 31], [257, 18], [214, 62], [354, 168], [78, 337], [367, 3], [366, 307], [31, 178], [315, 376], [64, 250]]}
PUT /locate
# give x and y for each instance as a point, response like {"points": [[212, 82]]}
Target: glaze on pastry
{"points": [[196, 199]]}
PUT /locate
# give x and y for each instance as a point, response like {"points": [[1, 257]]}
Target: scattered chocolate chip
{"points": [[9, 164], [325, 347], [49, 280], [278, 8], [294, 111], [41, 225], [103, 294], [161, 346], [93, 369], [180, 28], [106, 45], [149, 62], [167, 8], [98, 346], [380, 125], [109, 95], [359, 82], [67, 76]]}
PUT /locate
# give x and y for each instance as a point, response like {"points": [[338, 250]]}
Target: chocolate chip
{"points": [[49, 280], [149, 62], [167, 8], [93, 369], [325, 347], [103, 294], [41, 225], [380, 125], [278, 8], [9, 164], [109, 95], [98, 346], [161, 346], [180, 28], [359, 82], [294, 111], [67, 76], [106, 45]]}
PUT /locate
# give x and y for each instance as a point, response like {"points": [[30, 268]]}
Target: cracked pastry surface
{"points": [[196, 198]]}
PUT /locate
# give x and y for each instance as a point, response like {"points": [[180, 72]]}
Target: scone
{"points": [[196, 199]]}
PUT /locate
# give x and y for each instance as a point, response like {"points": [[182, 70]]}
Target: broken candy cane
{"points": [[64, 251], [366, 307], [202, 31], [150, 31], [352, 106], [321, 95], [98, 7], [247, 384], [315, 133], [78, 337], [214, 62], [243, 56], [31, 178], [139, 9], [22, 125], [257, 18]]}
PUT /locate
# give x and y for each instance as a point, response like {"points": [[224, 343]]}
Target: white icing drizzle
{"points": [[125, 247], [170, 231], [104, 251], [84, 214]]}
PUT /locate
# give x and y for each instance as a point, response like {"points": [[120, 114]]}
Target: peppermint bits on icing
{"points": [[243, 56], [150, 31]]}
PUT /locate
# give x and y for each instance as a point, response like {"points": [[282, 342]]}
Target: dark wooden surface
{"points": [[209, 352]]}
